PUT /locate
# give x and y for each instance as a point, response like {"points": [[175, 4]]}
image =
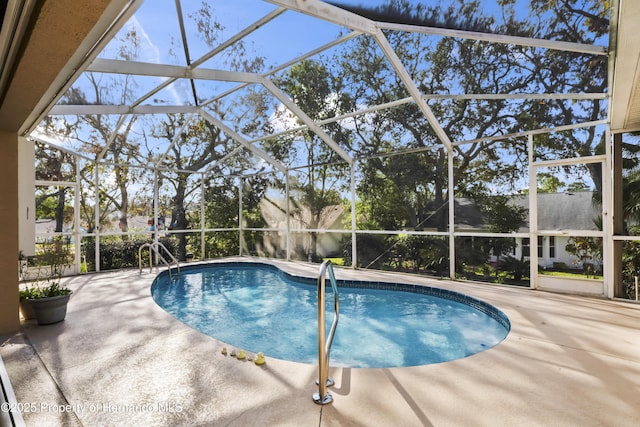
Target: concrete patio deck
{"points": [[119, 359]]}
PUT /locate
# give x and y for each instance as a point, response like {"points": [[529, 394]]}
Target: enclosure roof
{"points": [[625, 103], [177, 70]]}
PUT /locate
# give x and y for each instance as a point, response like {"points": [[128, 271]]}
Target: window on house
{"points": [[526, 247], [540, 240], [552, 246]]}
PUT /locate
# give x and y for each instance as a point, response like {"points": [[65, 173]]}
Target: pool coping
{"points": [[558, 365]]}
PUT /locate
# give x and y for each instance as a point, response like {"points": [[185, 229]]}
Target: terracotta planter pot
{"points": [[49, 310]]}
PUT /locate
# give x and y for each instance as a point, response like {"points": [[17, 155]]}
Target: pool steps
{"points": [[323, 397], [158, 248]]}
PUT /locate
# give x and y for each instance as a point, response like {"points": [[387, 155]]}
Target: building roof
{"points": [[556, 212], [563, 211]]}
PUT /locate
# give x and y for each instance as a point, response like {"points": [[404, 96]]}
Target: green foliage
{"points": [[402, 193], [221, 204], [37, 292], [395, 192], [254, 191], [631, 195], [45, 270], [221, 211], [52, 258], [471, 253], [418, 254], [501, 216], [116, 253], [433, 254], [549, 183], [585, 249], [517, 267], [30, 292], [380, 206], [221, 244], [52, 202], [370, 247], [316, 188], [631, 262], [410, 253]]}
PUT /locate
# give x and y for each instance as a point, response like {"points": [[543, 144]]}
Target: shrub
{"points": [[118, 254]]}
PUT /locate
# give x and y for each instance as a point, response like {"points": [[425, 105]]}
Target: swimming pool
{"points": [[260, 308]]}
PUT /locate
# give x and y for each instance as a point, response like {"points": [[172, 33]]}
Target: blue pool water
{"points": [[258, 308]]}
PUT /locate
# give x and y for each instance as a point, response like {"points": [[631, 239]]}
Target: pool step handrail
{"points": [[323, 397], [156, 248]]}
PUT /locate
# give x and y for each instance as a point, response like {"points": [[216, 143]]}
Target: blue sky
{"points": [[285, 38], [290, 35]]}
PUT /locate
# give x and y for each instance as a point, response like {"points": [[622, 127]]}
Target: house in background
{"points": [[566, 214], [560, 217]]}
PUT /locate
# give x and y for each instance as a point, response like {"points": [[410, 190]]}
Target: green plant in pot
{"points": [[44, 298]]}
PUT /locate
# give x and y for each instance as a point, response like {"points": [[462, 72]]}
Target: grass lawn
{"points": [[570, 275]]}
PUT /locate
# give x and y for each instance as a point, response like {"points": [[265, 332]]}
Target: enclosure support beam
{"points": [[96, 220], [288, 219], [354, 245], [77, 241], [609, 217], [240, 221], [156, 192], [233, 134], [411, 86], [618, 217], [202, 219], [172, 72], [112, 137], [497, 38], [174, 140], [533, 216], [282, 97], [452, 222], [239, 36], [330, 13], [26, 199], [70, 110]]}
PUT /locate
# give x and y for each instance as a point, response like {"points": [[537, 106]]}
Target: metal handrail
{"points": [[324, 344], [155, 247]]}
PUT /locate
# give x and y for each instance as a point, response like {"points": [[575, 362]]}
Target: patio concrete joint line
{"points": [[53, 380]]}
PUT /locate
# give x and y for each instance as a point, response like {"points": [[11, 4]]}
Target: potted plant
{"points": [[47, 304], [44, 298]]}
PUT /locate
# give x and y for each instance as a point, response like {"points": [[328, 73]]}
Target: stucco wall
{"points": [[9, 318]]}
